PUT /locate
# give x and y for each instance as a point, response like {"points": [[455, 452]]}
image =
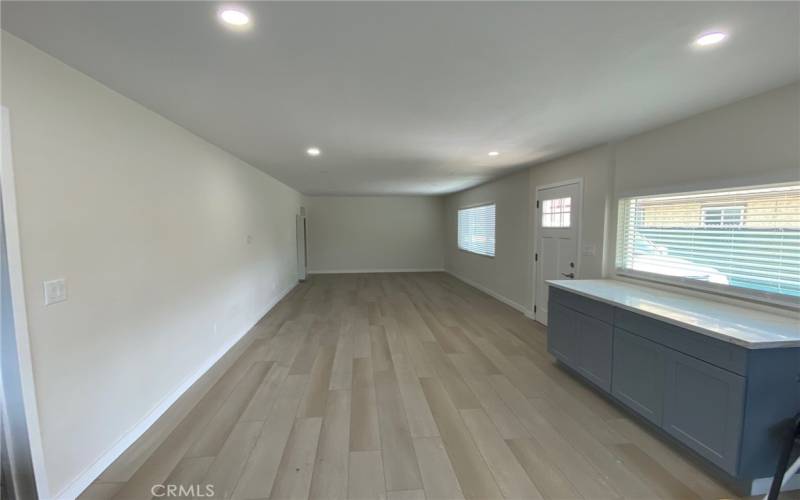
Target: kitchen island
{"points": [[721, 380]]}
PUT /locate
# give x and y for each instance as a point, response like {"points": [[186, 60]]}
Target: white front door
{"points": [[557, 218]]}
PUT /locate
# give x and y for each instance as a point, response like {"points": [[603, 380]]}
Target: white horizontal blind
{"points": [[476, 229], [744, 241]]}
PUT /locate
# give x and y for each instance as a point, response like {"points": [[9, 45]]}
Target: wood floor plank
{"points": [[330, 471], [604, 459], [366, 479], [406, 495], [190, 474], [262, 466], [381, 357], [229, 463], [503, 418], [549, 480], [399, 460], [342, 370], [438, 478], [288, 341], [307, 354], [588, 481], [266, 394], [700, 483], [360, 328], [400, 386], [508, 473], [364, 430], [453, 383], [419, 360], [473, 474], [664, 484], [420, 420], [217, 431], [297, 464], [313, 404]]}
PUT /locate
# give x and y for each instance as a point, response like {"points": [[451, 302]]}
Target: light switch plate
{"points": [[55, 291]]}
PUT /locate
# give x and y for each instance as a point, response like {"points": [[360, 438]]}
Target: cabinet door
{"points": [[594, 350], [562, 331], [703, 409], [639, 372]]}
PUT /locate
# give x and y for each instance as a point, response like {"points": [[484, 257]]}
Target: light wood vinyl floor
{"points": [[403, 387]]}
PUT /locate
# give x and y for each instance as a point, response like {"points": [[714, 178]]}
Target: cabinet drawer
{"points": [[703, 409], [589, 307], [639, 374], [716, 352]]}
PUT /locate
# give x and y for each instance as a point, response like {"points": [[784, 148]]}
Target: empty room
{"points": [[443, 250]]}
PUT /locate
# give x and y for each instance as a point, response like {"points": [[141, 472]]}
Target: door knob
{"points": [[570, 275]]}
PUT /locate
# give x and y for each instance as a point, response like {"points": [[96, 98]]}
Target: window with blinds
{"points": [[476, 229], [744, 241]]}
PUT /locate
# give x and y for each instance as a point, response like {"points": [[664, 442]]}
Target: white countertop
{"points": [[750, 328]]}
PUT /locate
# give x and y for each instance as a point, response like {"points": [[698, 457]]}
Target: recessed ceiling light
{"points": [[313, 151], [710, 38], [494, 153], [234, 17]]}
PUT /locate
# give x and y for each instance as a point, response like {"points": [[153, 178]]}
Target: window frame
{"points": [[722, 208], [458, 239], [561, 213], [782, 301]]}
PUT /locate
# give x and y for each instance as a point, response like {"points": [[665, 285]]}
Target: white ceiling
{"points": [[408, 98]]}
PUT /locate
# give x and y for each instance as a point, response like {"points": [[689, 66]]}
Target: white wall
{"points": [[749, 142], [594, 167], [752, 141], [149, 226], [364, 233], [504, 273]]}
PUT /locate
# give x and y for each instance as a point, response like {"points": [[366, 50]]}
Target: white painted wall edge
{"points": [[527, 312], [77, 486], [17, 286], [362, 271]]}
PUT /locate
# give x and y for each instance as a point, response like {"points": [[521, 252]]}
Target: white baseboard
{"points": [[79, 484], [363, 271], [505, 300]]}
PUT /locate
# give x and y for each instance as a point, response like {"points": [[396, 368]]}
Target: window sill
{"points": [[476, 253], [769, 302]]}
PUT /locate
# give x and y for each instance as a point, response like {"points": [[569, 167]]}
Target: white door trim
{"points": [[17, 286], [537, 227]]}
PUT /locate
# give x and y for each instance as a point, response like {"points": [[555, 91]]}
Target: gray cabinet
{"points": [[703, 408], [639, 373], [562, 334], [594, 350], [728, 404], [581, 342]]}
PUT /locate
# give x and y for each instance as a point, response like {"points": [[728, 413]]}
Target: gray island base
{"points": [[719, 388]]}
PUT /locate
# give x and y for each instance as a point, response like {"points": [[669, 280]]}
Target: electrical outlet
{"points": [[249, 239], [55, 291]]}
